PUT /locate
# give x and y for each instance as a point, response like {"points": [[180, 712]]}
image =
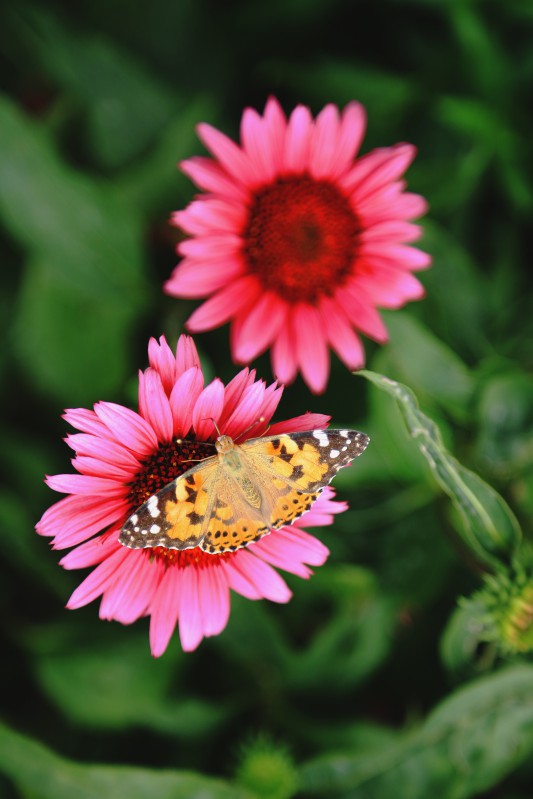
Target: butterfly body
{"points": [[237, 496]]}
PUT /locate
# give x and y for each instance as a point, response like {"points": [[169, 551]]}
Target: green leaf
{"points": [[124, 105], [420, 359], [77, 349], [467, 745], [459, 644], [487, 525], [119, 686], [38, 772]]}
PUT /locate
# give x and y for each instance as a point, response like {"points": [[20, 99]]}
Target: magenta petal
{"points": [[260, 327], [234, 390], [255, 138], [164, 611], [161, 358], [247, 412], [91, 552], [313, 356], [284, 363], [360, 311], [103, 449], [307, 421], [340, 334], [224, 305], [84, 484], [265, 580], [186, 355], [87, 421], [127, 599], [324, 143], [183, 398], [297, 140], [207, 410], [98, 468], [190, 618], [154, 405], [98, 580], [127, 427], [195, 278], [210, 215], [229, 155], [208, 175], [214, 599], [296, 546]]}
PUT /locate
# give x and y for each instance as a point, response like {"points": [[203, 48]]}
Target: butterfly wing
{"points": [[308, 460], [288, 472], [177, 516]]}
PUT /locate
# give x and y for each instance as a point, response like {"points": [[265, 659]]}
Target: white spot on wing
{"points": [[153, 507], [155, 528], [334, 453], [321, 437]]}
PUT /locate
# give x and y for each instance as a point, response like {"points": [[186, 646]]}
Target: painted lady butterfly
{"points": [[237, 496]]}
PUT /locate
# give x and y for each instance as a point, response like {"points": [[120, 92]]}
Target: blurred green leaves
{"points": [[38, 772], [468, 744]]}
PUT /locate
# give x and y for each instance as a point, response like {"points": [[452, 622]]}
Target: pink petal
{"points": [[128, 597], [103, 448], [312, 351], [214, 600], [273, 550], [98, 580], [265, 580], [340, 334], [164, 611], [83, 419], [359, 309], [247, 412], [143, 591], [307, 421], [240, 582], [283, 355], [98, 468], [229, 155], [183, 398], [225, 245], [297, 546], [228, 302], [154, 405], [324, 143], [190, 618], [195, 278], [128, 428], [298, 140], [260, 327], [390, 287], [399, 255], [211, 215], [78, 517], [396, 231], [161, 358], [208, 175], [84, 484], [234, 391], [186, 355], [91, 552], [398, 159], [264, 139], [207, 410], [351, 134]]}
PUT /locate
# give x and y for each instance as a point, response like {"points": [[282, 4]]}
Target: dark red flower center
{"points": [[301, 238], [158, 470]]}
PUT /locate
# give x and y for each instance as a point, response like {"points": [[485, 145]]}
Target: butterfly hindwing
{"points": [[175, 517]]}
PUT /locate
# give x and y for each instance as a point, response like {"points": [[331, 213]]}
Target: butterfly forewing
{"points": [[307, 460]]}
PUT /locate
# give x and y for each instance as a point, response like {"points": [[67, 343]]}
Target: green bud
{"points": [[267, 770]]}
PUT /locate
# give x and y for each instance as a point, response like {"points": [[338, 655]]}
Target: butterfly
{"points": [[237, 496]]}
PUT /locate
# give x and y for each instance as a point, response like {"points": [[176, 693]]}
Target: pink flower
{"points": [[123, 457], [297, 241]]}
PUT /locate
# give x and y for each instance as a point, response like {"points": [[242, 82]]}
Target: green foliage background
{"points": [[369, 684]]}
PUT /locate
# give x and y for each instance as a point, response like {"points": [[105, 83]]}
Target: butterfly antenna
{"points": [[210, 419], [257, 421]]}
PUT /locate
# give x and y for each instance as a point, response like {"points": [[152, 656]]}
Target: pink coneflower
{"points": [[297, 242], [123, 457]]}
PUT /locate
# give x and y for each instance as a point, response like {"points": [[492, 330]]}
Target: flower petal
{"points": [[224, 305], [312, 352], [207, 410]]}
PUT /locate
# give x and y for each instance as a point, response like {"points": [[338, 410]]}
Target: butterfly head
{"points": [[224, 444]]}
